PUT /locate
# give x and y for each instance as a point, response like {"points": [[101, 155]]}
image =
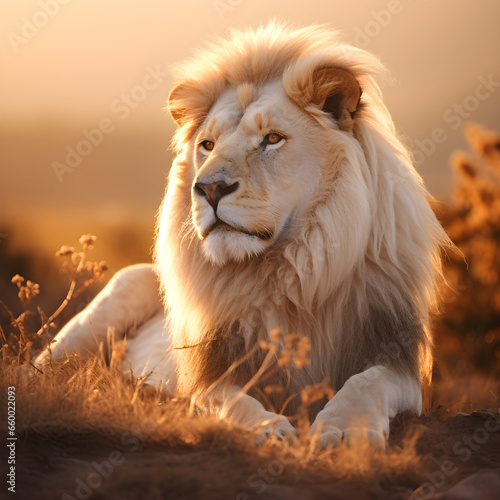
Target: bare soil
{"points": [[448, 458]]}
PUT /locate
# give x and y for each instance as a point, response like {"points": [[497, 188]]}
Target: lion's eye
{"points": [[206, 146], [273, 140]]}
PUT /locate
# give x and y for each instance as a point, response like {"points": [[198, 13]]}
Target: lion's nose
{"points": [[215, 191]]}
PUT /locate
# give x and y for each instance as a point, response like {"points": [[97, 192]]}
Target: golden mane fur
{"points": [[360, 290]]}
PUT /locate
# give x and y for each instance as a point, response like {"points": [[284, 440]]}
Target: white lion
{"points": [[291, 205]]}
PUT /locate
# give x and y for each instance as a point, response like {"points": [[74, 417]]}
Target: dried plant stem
{"points": [[59, 310], [15, 321], [4, 338], [263, 367], [232, 368]]}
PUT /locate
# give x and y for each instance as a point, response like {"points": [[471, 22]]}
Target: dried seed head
{"points": [[275, 334], [292, 340], [265, 345], [87, 241], [17, 279], [315, 392], [285, 357], [65, 250], [28, 291], [301, 361], [99, 268]]}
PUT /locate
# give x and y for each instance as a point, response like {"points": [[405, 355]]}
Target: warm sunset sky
{"points": [[71, 72]]}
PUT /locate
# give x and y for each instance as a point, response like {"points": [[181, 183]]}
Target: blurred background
{"points": [[84, 139]]}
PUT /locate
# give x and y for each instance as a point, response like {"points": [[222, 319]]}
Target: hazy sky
{"points": [[79, 59], [66, 65]]}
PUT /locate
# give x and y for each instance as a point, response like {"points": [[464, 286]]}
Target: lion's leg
{"points": [[231, 403], [150, 356], [364, 406], [128, 300]]}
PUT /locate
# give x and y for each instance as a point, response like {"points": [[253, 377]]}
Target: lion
{"points": [[291, 207]]}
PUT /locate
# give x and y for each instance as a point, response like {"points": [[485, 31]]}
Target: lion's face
{"points": [[256, 169]]}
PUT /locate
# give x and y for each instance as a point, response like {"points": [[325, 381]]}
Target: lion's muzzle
{"points": [[214, 191]]}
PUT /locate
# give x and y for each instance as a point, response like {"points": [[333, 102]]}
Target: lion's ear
{"points": [[182, 102], [337, 92], [190, 101], [334, 90]]}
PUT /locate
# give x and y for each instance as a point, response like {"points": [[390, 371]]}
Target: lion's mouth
{"points": [[263, 235]]}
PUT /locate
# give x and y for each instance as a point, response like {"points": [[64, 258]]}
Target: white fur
{"points": [[364, 406]]}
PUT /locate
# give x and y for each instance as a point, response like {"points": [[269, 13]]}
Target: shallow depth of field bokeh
{"points": [[467, 334], [64, 230]]}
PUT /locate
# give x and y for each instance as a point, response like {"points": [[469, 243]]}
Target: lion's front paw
{"points": [[328, 436], [361, 434], [277, 427]]}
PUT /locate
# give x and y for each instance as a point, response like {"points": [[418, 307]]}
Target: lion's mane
{"points": [[356, 311]]}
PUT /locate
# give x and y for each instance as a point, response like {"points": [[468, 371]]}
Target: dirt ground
{"points": [[435, 456]]}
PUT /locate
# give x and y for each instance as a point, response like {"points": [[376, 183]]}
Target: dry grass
{"points": [[85, 407], [81, 412]]}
